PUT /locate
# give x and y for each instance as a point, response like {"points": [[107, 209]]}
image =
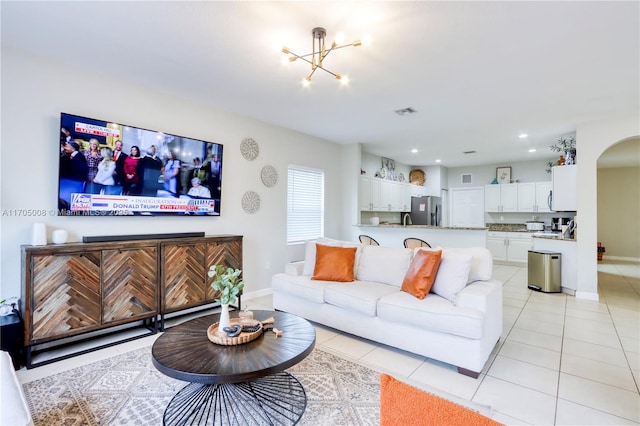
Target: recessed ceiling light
{"points": [[523, 135], [532, 150], [438, 160], [414, 151]]}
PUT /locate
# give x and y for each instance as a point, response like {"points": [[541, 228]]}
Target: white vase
{"points": [[39, 234], [59, 236], [224, 318]]}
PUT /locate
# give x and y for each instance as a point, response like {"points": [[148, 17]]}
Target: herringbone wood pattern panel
{"points": [[66, 293], [129, 283], [228, 254], [185, 275]]}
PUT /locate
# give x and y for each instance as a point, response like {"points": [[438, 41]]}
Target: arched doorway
{"points": [[618, 194]]}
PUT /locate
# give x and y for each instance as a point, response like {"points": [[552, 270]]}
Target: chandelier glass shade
{"points": [[318, 54]]}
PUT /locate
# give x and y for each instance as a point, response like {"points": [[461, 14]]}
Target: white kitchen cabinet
{"points": [[501, 198], [509, 246], [369, 194], [380, 195], [565, 181], [496, 243], [533, 197], [467, 209]]}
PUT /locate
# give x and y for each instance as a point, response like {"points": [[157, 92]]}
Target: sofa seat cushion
{"points": [[432, 313], [358, 296], [300, 286]]}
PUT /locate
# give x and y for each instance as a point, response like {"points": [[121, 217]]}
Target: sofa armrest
{"points": [[294, 268], [479, 294]]}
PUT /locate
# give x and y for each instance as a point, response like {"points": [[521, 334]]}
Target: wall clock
{"points": [[249, 149], [269, 176]]}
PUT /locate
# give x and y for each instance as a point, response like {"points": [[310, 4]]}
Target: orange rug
{"points": [[401, 404]]}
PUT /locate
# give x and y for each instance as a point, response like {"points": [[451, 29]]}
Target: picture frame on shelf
{"points": [[503, 174]]}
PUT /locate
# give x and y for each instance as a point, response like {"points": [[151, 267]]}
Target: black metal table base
{"points": [[278, 399]]}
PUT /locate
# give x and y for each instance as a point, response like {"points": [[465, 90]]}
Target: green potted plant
{"points": [[567, 149], [228, 282]]}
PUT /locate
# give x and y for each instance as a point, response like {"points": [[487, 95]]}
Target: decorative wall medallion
{"points": [[249, 149], [269, 176], [250, 202]]}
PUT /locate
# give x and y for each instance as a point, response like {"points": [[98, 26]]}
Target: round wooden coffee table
{"points": [[243, 384]]}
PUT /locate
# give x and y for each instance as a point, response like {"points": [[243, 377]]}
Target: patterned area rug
{"points": [[127, 390]]}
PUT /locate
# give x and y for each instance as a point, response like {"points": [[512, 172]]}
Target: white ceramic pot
{"points": [[224, 318], [59, 236], [375, 220]]}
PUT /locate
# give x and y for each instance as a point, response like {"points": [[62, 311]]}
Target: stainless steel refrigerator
{"points": [[426, 211]]}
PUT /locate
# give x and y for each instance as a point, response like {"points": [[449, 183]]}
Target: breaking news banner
{"points": [[123, 204]]}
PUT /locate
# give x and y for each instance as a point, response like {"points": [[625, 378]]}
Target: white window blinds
{"points": [[305, 204]]}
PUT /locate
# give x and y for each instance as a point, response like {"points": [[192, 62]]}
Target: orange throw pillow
{"points": [[334, 263], [422, 273]]}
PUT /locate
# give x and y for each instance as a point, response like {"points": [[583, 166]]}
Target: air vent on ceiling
{"points": [[405, 111], [469, 152]]}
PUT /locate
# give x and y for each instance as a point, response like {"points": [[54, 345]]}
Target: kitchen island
{"points": [[393, 235]]}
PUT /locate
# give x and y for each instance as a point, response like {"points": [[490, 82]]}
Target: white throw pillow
{"points": [[453, 274], [387, 265], [481, 263]]}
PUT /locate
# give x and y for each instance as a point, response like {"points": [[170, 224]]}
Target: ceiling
{"points": [[477, 73]]}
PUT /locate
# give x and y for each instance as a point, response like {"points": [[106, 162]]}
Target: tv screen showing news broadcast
{"points": [[113, 169]]}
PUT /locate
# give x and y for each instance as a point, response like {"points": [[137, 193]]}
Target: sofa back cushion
{"points": [[334, 263], [387, 265], [422, 273], [453, 274], [481, 261]]}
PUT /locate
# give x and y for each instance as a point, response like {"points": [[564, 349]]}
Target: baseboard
{"points": [[622, 258], [587, 295], [257, 294]]}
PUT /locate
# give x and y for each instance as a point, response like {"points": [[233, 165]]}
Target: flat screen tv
{"points": [[113, 169]]}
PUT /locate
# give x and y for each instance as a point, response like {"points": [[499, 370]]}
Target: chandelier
{"points": [[319, 53]]}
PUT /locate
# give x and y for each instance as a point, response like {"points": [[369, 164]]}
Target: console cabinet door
{"points": [[184, 275], [65, 295], [227, 253], [129, 288]]}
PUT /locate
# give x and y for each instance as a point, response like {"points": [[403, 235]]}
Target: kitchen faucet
{"points": [[404, 219]]}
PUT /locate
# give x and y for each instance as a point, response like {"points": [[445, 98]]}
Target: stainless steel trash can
{"points": [[544, 271]]}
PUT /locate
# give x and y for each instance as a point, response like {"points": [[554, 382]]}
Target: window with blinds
{"points": [[305, 204]]}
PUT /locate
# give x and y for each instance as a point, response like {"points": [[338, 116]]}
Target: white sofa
{"points": [[461, 328]]}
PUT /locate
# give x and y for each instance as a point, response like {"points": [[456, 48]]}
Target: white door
{"points": [[492, 198], [509, 197], [542, 196], [467, 209], [527, 197]]}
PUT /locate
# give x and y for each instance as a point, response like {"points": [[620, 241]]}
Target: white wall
{"points": [[34, 92], [619, 212], [524, 171], [592, 140]]}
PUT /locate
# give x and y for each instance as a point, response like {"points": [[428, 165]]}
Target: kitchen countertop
{"points": [[436, 228]]}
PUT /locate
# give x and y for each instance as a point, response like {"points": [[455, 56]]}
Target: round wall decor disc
{"points": [[250, 202], [269, 176], [249, 149]]}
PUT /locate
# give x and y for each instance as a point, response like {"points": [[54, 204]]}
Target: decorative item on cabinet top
{"points": [[249, 149], [503, 174], [417, 177]]}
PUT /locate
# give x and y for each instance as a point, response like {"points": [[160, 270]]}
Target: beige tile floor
{"points": [[560, 360]]}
